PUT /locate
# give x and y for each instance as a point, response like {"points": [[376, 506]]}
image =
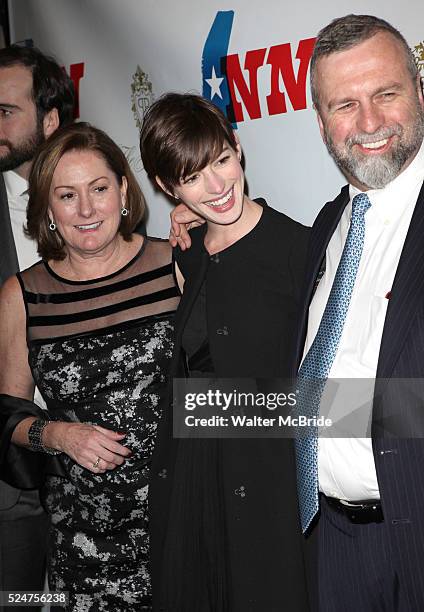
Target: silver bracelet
{"points": [[35, 434]]}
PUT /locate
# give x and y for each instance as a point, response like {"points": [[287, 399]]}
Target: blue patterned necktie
{"points": [[316, 366]]}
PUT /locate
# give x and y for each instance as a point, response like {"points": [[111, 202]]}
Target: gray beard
{"points": [[378, 171]]}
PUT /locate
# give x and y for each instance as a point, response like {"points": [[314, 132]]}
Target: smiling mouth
{"points": [[91, 226], [375, 145], [222, 201]]}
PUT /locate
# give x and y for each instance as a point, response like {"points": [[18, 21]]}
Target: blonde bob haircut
{"points": [[76, 137]]}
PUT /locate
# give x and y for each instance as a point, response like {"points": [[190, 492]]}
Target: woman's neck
{"points": [[88, 266], [219, 237]]}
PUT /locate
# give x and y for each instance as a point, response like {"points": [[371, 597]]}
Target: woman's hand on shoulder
{"points": [[182, 220], [94, 448]]}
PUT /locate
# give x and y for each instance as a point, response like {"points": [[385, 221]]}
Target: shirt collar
{"points": [[16, 186], [391, 199]]}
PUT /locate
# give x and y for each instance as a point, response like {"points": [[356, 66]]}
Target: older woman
{"points": [[225, 530], [91, 325]]}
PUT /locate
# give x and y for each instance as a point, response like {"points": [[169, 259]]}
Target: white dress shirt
{"points": [[17, 197], [346, 468]]}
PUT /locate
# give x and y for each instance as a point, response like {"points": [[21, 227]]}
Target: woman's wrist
{"points": [[41, 437]]}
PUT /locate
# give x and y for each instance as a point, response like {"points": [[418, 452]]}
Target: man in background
{"points": [[36, 97]]}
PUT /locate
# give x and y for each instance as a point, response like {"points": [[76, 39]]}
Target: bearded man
{"points": [[362, 498]]}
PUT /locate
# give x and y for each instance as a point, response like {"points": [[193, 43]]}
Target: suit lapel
{"points": [[8, 258], [322, 231], [407, 293]]}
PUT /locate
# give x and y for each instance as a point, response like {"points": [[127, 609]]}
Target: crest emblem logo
{"points": [[418, 51], [141, 95]]}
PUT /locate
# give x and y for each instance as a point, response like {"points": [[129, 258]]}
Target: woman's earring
{"points": [[124, 209], [52, 226]]}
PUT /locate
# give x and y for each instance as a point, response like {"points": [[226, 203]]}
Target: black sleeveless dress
{"points": [[99, 352]]}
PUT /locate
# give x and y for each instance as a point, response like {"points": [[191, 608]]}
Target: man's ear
{"points": [[50, 122], [321, 126], [165, 189], [420, 89]]}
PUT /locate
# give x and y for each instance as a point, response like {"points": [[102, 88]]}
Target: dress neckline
{"points": [[90, 281], [250, 233]]}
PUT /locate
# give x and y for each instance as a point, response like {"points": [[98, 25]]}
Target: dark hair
{"points": [[51, 86], [348, 31], [181, 134], [80, 137]]}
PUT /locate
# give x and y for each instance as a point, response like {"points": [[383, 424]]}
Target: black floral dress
{"points": [[99, 352]]}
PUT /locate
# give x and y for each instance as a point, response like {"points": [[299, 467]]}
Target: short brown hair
{"points": [[181, 134], [348, 31], [81, 137]]}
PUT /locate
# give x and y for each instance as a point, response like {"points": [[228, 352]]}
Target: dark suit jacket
{"points": [[8, 257], [9, 496], [398, 409]]}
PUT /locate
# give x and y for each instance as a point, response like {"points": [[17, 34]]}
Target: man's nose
{"points": [[2, 132], [370, 118]]}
